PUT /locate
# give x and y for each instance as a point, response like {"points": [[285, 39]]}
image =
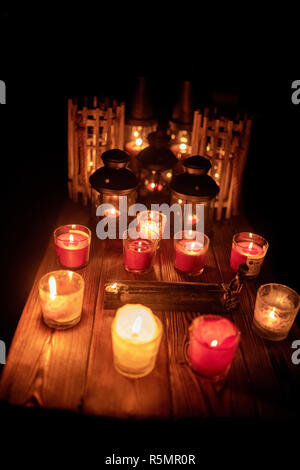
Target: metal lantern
{"points": [[156, 164], [112, 181], [195, 186], [181, 123], [140, 122]]}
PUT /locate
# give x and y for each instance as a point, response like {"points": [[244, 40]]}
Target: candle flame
{"points": [[214, 343], [182, 147], [136, 327], [250, 245], [52, 287], [139, 142], [71, 238], [272, 314], [136, 134]]}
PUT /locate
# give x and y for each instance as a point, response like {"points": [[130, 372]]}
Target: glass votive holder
{"points": [[61, 297], [138, 252], [72, 243], [151, 224], [190, 250], [213, 341], [248, 248], [276, 308], [136, 336]]}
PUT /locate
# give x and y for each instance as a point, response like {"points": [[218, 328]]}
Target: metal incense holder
{"points": [[186, 296]]}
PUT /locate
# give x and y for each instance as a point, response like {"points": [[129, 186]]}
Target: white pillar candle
{"points": [[136, 336]]}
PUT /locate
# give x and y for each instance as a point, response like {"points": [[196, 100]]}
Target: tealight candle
{"points": [[136, 336], [275, 310], [112, 213], [61, 297], [213, 341], [138, 253], [190, 251], [135, 146], [72, 244], [250, 249], [151, 224]]}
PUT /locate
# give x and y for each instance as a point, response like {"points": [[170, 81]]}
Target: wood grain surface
{"points": [[73, 369]]}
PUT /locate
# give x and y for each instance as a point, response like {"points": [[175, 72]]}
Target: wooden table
{"points": [[73, 369]]}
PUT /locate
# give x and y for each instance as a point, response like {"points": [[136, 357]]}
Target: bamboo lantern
{"points": [[92, 130], [180, 124], [140, 122], [225, 142]]}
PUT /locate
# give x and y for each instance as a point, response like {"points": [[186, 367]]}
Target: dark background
{"points": [[41, 73]]}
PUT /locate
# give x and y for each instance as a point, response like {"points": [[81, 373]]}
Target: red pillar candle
{"points": [[72, 244], [138, 254], [250, 249], [213, 341], [190, 253]]}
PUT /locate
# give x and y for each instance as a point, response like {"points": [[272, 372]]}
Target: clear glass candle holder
{"points": [[151, 224], [248, 248], [72, 243], [138, 251], [136, 336], [275, 311], [190, 250], [213, 341], [61, 297]]}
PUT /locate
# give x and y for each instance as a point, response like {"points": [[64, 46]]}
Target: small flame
{"points": [[52, 287], [272, 314], [71, 238], [136, 134], [250, 246], [139, 142], [180, 201], [214, 343], [136, 327]]}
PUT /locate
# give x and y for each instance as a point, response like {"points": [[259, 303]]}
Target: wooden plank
{"points": [[192, 396], [47, 367], [267, 384], [108, 393]]}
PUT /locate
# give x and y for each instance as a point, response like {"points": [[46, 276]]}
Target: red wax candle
{"points": [[138, 254], [72, 247], [250, 249], [213, 341], [190, 256]]}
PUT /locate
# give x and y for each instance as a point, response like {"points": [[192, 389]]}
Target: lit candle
{"points": [[213, 341], [138, 254], [276, 308], [250, 249], [112, 213], [136, 336], [151, 224], [61, 297], [190, 254], [135, 146], [72, 243]]}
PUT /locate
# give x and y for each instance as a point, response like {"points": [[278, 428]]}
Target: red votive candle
{"points": [[213, 341], [72, 243], [250, 249], [190, 252], [138, 253]]}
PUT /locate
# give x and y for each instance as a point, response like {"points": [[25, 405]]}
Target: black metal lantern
{"points": [[112, 181], [156, 164], [194, 187]]}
